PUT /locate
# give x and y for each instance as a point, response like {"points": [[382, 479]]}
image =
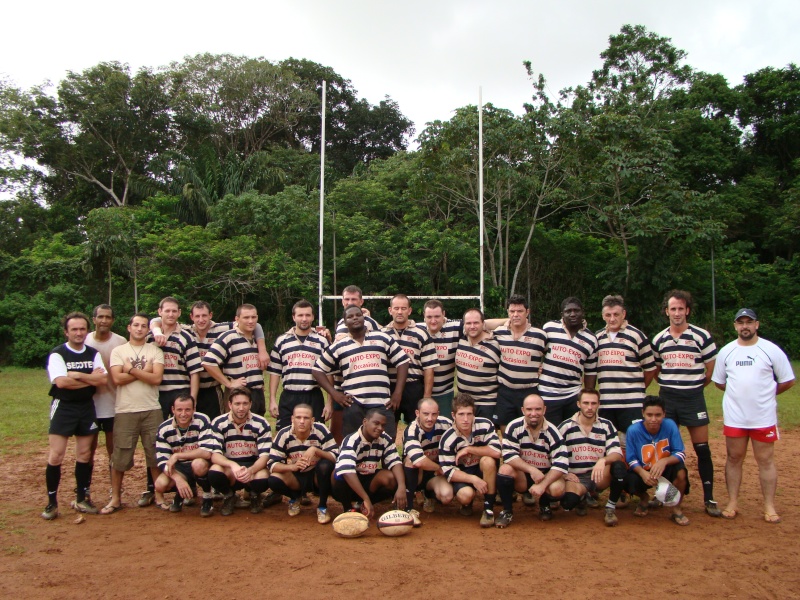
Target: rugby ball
{"points": [[395, 523], [350, 524]]}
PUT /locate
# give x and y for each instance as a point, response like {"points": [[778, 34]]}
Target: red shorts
{"points": [[761, 434]]}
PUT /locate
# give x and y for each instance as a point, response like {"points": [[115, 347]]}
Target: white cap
{"points": [[667, 493]]}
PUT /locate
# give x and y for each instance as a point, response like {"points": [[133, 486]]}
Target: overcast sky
{"points": [[430, 56]]}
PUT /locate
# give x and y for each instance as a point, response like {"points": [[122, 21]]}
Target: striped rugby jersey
{"points": [[241, 444], [620, 366], [682, 361], [419, 348], [171, 440], [483, 434], [585, 449], [547, 451], [364, 368], [181, 359], [358, 455], [419, 444], [567, 360], [477, 370], [287, 448], [237, 357], [446, 343], [216, 329], [521, 357], [292, 359]]}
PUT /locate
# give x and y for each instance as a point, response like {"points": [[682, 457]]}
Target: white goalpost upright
{"points": [[321, 297]]}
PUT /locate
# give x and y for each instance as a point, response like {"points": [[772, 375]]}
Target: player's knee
{"points": [[163, 484], [702, 450], [506, 470], [445, 496], [556, 489], [465, 495], [200, 467], [488, 465], [618, 469]]}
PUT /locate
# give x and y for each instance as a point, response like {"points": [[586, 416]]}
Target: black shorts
{"points": [[184, 467], [473, 470], [509, 403], [259, 405], [412, 394], [487, 412], [558, 410], [685, 407], [290, 399], [106, 424], [622, 418], [208, 401], [633, 484], [72, 418]]}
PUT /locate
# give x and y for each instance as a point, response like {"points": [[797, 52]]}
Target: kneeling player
{"points": [[183, 463], [421, 457], [358, 476], [301, 460], [535, 460], [596, 460], [468, 455], [654, 448], [239, 442]]}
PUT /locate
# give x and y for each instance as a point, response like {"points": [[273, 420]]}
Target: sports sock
{"points": [[505, 485], [259, 486], [52, 476], [705, 467], [488, 502], [219, 481], [278, 485], [544, 501], [83, 478], [204, 484], [412, 476], [618, 472], [151, 487], [570, 500], [324, 470]]}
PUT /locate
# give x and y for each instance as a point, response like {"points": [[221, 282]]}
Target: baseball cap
{"points": [[746, 312]]}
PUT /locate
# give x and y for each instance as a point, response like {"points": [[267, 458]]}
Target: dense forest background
{"points": [[201, 180]]}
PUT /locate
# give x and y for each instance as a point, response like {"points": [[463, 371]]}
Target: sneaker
{"points": [[305, 500], [465, 510], [322, 516], [415, 515], [487, 518], [529, 500], [207, 507], [50, 512], [580, 510], [190, 501], [294, 508], [624, 500], [146, 499], [215, 495], [545, 513], [429, 505], [177, 504], [85, 506], [504, 519], [610, 517], [591, 501], [712, 509], [255, 503], [555, 505], [228, 504], [243, 501], [271, 499]]}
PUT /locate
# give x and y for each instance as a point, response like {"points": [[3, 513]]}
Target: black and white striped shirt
{"points": [[521, 357], [621, 362], [585, 449], [446, 343], [242, 444], [483, 434], [683, 360], [477, 367], [567, 360], [287, 448], [359, 455], [171, 440], [293, 357], [419, 444], [546, 451], [181, 360], [419, 348]]}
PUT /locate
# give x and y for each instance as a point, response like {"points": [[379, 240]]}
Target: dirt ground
{"points": [[146, 553]]}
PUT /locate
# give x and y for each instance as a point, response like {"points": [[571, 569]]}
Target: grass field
{"points": [[24, 404]]}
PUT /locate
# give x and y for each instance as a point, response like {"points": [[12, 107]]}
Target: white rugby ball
{"points": [[395, 523], [350, 524]]}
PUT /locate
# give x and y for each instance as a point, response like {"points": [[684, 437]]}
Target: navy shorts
{"points": [[622, 418], [685, 407], [106, 424], [473, 470], [72, 418], [509, 403]]}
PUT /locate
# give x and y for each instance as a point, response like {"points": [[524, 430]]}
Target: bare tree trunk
{"points": [[525, 251]]}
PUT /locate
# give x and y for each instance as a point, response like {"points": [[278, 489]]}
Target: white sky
{"points": [[430, 56]]}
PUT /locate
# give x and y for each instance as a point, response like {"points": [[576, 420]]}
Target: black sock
{"points": [[544, 501], [412, 476], [505, 486], [91, 474], [570, 500], [151, 487], [705, 467], [204, 484], [52, 476], [618, 472], [488, 502], [259, 486], [219, 481], [279, 486], [324, 470], [83, 477]]}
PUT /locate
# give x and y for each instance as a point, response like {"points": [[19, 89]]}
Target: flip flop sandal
{"points": [[110, 510], [679, 519]]}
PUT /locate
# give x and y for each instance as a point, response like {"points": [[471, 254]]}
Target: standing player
{"points": [[685, 355], [104, 341], [301, 460], [239, 442], [352, 296], [445, 336], [75, 370], [363, 359], [136, 368], [291, 361], [655, 449], [535, 460], [571, 356], [368, 469], [421, 352], [421, 456], [522, 347], [752, 371], [596, 461], [477, 362], [468, 455], [183, 463]]}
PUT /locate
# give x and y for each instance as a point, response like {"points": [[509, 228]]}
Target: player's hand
{"points": [[480, 485], [598, 471], [263, 360], [168, 468], [160, 339], [238, 383], [439, 472], [462, 453], [657, 470], [273, 409], [342, 398], [537, 475], [327, 412], [365, 311], [400, 499], [184, 489], [394, 401], [324, 332], [537, 490], [367, 509], [242, 473], [571, 477], [648, 479]]}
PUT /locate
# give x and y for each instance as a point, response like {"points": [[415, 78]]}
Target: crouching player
{"points": [[358, 477], [535, 460], [181, 460], [301, 461], [595, 458], [421, 457], [468, 455], [654, 448], [239, 443]]}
